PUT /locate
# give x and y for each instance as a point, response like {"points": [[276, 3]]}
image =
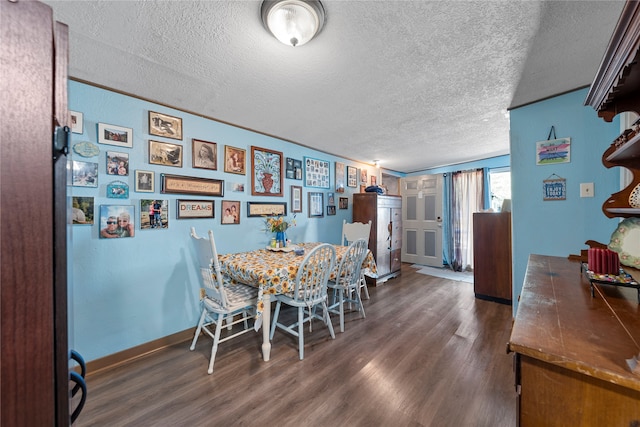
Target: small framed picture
{"points": [[118, 190], [331, 199], [76, 120], [374, 180], [115, 135], [343, 203], [363, 175], [165, 125], [296, 198], [234, 160], [297, 169], [196, 209], [144, 181], [165, 154], [204, 154], [230, 212], [339, 177], [352, 176], [116, 221], [82, 210], [289, 171], [331, 210], [154, 214], [316, 205], [84, 174], [117, 163]]}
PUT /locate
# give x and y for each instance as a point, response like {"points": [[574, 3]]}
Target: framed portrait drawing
{"points": [[339, 177], [117, 221], [316, 204], [165, 125], [82, 211], [84, 174], [204, 154], [117, 163], [115, 135], [154, 214], [266, 172], [165, 154], [234, 160], [144, 181], [230, 212], [316, 173], [343, 203], [352, 176], [77, 121], [190, 209], [296, 198]]}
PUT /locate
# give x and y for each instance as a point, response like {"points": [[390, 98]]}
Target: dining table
{"points": [[273, 271]]}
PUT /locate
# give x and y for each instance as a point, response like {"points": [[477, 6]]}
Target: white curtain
{"points": [[466, 198]]}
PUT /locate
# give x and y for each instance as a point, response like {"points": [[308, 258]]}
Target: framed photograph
{"points": [[192, 185], [374, 180], [266, 209], [82, 210], [115, 135], [116, 221], [195, 209], [316, 173], [331, 199], [144, 181], [297, 169], [343, 203], [76, 120], [331, 210], [339, 177], [234, 160], [267, 171], [230, 212], [363, 188], [363, 175], [204, 154], [165, 125], [553, 151], [118, 190], [154, 214], [117, 163], [84, 174], [165, 154], [296, 198], [289, 171], [352, 173], [316, 205]]}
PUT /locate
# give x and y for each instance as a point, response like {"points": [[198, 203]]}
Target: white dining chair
{"points": [[347, 280], [310, 291], [350, 233], [223, 299]]}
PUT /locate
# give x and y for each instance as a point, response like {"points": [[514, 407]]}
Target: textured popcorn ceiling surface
{"points": [[416, 84]]}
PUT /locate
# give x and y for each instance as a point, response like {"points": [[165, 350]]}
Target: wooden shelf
{"points": [[628, 151]]}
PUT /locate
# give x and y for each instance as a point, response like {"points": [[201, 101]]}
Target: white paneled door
{"points": [[422, 220]]}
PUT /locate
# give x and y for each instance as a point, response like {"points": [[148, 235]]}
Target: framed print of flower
{"points": [[267, 171]]}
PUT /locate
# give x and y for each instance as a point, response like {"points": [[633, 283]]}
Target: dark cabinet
{"points": [[492, 256], [385, 242]]}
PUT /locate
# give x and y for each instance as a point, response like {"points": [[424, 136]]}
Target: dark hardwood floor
{"points": [[428, 354]]}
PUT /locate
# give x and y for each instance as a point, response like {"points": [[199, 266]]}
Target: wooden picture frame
{"points": [[316, 173], [266, 209], [235, 160], [267, 172], [165, 154], [178, 184], [165, 125], [204, 154], [115, 135], [352, 176], [194, 209], [296, 198], [343, 203], [230, 212], [144, 181], [316, 204]]}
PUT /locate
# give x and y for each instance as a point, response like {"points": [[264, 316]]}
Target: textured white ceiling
{"points": [[417, 84]]}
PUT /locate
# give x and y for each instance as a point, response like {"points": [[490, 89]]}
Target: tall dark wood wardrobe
{"points": [[33, 289]]}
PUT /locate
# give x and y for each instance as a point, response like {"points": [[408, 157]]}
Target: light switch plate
{"points": [[586, 189]]}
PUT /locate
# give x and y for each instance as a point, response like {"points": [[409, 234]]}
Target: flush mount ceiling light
{"points": [[293, 22]]}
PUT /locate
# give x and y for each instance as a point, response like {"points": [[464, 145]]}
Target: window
{"points": [[499, 187]]}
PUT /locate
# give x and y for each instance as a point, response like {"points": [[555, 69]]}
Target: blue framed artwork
{"points": [[118, 190], [316, 173]]}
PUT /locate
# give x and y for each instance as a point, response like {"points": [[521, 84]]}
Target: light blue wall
{"points": [[130, 291], [493, 162], [559, 228]]}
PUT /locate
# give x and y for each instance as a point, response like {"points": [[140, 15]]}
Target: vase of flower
{"points": [[281, 239], [267, 182]]}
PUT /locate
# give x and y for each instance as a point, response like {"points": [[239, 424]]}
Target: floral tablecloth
{"points": [[275, 272]]}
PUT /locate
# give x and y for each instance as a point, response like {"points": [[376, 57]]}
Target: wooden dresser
{"points": [[571, 349], [492, 256]]}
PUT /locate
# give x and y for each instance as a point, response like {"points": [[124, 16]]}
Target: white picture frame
{"points": [[115, 135]]}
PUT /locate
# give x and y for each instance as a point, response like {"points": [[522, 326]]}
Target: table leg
{"points": [[266, 326]]}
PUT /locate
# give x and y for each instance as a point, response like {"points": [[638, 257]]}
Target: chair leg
{"points": [[198, 329], [363, 284], [301, 331], [359, 303], [216, 339], [274, 320], [325, 310], [341, 309]]}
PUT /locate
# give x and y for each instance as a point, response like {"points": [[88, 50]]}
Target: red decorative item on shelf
{"points": [[603, 261]]}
